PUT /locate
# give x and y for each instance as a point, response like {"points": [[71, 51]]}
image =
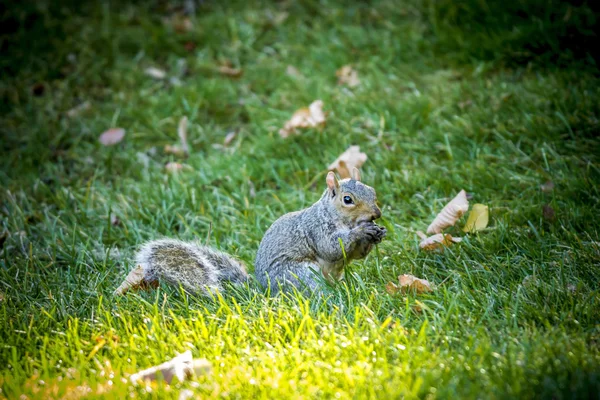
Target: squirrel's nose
{"points": [[377, 213]]}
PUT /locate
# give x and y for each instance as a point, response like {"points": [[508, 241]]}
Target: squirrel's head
{"points": [[354, 201]]}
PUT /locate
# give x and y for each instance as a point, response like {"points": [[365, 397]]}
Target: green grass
{"points": [[517, 309]]}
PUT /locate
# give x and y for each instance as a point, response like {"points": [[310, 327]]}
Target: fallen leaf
{"points": [[183, 149], [547, 187], [75, 111], [181, 367], [310, 117], [230, 71], [293, 71], [548, 212], [155, 73], [229, 138], [410, 282], [136, 279], [437, 241], [351, 158], [478, 219], [112, 136], [407, 283], [347, 76], [450, 213]]}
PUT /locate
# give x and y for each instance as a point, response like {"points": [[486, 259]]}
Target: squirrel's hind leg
{"points": [[304, 277]]}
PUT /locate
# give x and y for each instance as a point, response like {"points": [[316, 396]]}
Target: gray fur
{"points": [[198, 269], [298, 250], [301, 242]]}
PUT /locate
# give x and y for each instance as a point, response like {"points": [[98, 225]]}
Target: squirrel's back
{"points": [[198, 269]]}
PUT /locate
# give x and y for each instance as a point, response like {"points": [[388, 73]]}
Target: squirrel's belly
{"points": [[331, 270]]}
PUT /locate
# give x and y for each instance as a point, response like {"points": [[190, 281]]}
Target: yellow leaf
{"points": [[478, 218]]}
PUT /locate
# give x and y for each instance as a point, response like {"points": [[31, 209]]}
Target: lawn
{"points": [[444, 104]]}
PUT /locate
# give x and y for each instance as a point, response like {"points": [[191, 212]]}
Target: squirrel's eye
{"points": [[348, 200]]}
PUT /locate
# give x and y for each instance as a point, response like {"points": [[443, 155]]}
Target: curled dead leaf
{"points": [[351, 158], [478, 218], [310, 117], [450, 213], [112, 136], [155, 73], [181, 367], [437, 241], [347, 76]]}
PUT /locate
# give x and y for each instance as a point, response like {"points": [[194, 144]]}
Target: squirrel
{"points": [[336, 229]]}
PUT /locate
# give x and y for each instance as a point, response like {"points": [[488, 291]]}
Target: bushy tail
{"points": [[198, 269]]}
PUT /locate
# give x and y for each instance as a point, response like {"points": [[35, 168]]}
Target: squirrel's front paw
{"points": [[374, 233]]}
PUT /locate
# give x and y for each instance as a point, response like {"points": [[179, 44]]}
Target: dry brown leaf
{"points": [[135, 280], [347, 76], [155, 73], [181, 367], [310, 117], [112, 136], [351, 158], [409, 282], [229, 138], [450, 213], [437, 241], [230, 71], [478, 219]]}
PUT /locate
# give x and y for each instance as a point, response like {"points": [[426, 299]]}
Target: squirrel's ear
{"points": [[332, 182], [355, 174]]}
